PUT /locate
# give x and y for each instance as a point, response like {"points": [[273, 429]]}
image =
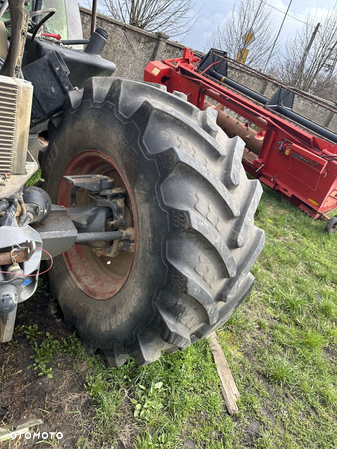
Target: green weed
{"points": [[149, 402], [279, 370], [32, 332], [46, 352], [34, 179]]}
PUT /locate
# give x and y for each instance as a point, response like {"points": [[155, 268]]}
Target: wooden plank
{"points": [[227, 383], [19, 428]]}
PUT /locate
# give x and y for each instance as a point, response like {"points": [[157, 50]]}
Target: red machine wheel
{"points": [[331, 225]]}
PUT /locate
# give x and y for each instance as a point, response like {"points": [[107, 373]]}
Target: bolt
{"points": [[112, 223]]}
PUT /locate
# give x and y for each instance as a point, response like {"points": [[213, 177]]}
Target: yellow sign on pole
{"points": [[247, 38], [242, 55]]}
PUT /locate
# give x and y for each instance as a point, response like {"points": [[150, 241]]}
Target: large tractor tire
{"points": [[192, 207]]}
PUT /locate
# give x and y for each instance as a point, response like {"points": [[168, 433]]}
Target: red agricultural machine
{"points": [[291, 154]]}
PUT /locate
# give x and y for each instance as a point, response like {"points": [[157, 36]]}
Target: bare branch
{"points": [[175, 17], [310, 59], [247, 15]]}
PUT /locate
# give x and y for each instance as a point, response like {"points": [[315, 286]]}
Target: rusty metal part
{"points": [[233, 127], [115, 249], [100, 278], [258, 120], [20, 257], [126, 243], [12, 183], [129, 234], [18, 254], [23, 210]]}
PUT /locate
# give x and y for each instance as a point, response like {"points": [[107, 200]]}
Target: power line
{"points": [[283, 12], [289, 16]]}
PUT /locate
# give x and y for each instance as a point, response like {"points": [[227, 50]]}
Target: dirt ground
{"points": [[60, 402]]}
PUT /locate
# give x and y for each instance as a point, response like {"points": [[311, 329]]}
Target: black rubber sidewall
{"points": [[331, 225], [119, 317]]}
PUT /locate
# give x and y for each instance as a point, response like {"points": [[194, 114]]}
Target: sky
{"points": [[213, 12]]}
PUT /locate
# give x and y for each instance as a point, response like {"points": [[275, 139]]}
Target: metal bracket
{"points": [[58, 232], [7, 323], [90, 218], [102, 193], [214, 59], [117, 205], [282, 97], [93, 183]]}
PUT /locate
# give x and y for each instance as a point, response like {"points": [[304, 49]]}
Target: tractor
{"points": [[145, 216]]}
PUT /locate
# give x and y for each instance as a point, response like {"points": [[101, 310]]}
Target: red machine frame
{"points": [[293, 160]]}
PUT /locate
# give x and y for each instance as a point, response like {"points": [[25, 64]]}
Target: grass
{"points": [[280, 345], [34, 179]]}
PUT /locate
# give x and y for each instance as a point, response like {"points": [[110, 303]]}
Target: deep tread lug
{"points": [[209, 232], [132, 97], [208, 121], [172, 331], [170, 158], [115, 357], [200, 294], [180, 95], [233, 163], [244, 266], [91, 349], [96, 89], [244, 223], [148, 347]]}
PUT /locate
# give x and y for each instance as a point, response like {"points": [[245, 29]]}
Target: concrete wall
{"points": [[261, 86], [131, 48]]}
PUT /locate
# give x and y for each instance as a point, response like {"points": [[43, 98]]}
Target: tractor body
{"points": [[35, 64]]}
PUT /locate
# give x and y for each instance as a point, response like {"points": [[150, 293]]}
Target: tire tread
{"points": [[223, 224]]}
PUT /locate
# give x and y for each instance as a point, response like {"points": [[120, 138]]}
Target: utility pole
{"points": [[279, 31], [305, 55]]}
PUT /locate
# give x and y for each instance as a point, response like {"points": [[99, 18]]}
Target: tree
{"points": [[250, 16], [309, 59], [174, 17]]}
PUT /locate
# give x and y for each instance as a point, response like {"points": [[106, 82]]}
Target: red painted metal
{"points": [[55, 36], [293, 161]]}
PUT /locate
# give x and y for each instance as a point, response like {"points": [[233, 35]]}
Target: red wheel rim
{"points": [[98, 277]]}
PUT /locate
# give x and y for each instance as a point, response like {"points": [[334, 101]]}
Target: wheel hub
{"points": [[100, 205]]}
